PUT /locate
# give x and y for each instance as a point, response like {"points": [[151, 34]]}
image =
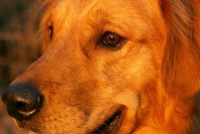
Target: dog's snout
{"points": [[22, 101]]}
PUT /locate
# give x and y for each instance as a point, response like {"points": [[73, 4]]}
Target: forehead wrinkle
{"points": [[100, 15], [98, 18], [70, 12], [94, 12]]}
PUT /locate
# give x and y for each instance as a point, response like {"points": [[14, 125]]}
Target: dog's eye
{"points": [[50, 29], [111, 39]]}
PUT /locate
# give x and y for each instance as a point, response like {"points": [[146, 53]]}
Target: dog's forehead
{"points": [[111, 7], [80, 12], [89, 19]]}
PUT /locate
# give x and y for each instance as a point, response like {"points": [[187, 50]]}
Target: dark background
{"points": [[19, 46]]}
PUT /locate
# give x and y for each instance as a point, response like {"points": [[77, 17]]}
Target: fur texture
{"points": [[152, 76]]}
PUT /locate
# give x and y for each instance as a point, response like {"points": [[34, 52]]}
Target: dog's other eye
{"points": [[111, 39], [50, 30]]}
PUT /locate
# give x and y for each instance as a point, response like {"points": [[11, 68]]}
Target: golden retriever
{"points": [[113, 67]]}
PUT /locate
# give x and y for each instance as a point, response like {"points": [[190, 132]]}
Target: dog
{"points": [[112, 67]]}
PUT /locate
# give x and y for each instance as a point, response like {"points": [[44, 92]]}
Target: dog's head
{"points": [[111, 67]]}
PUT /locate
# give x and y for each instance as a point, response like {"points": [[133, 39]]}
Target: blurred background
{"points": [[19, 46]]}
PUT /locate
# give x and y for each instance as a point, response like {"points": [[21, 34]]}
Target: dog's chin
{"points": [[111, 125]]}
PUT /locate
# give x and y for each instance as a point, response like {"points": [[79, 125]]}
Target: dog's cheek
{"points": [[132, 73]]}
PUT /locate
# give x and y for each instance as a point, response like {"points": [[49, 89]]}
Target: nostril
{"points": [[21, 106], [29, 106], [22, 101]]}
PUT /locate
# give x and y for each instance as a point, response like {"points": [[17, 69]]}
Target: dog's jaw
{"points": [[31, 132], [111, 125]]}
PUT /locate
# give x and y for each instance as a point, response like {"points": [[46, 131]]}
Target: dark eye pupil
{"points": [[50, 28], [50, 32], [112, 39]]}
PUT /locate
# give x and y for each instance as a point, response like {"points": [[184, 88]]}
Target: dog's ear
{"points": [[181, 59]]}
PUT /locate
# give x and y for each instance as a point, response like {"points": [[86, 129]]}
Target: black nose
{"points": [[22, 101]]}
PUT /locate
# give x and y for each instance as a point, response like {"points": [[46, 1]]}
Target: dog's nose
{"points": [[22, 101]]}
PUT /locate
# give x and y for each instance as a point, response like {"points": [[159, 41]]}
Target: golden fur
{"points": [[153, 77]]}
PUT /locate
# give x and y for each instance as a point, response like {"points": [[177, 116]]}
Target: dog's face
{"points": [[100, 71]]}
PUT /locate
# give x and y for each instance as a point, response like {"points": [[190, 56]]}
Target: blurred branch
{"points": [[4, 61], [10, 36]]}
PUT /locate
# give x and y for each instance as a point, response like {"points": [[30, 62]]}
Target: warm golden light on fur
{"points": [[148, 83]]}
